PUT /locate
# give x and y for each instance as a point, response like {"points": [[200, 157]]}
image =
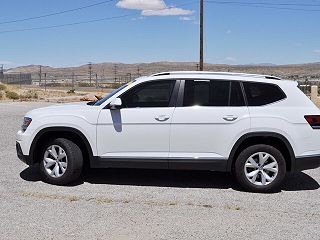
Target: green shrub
{"points": [[3, 87], [2, 94], [30, 94], [12, 95]]}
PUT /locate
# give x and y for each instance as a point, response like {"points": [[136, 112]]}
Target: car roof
{"points": [[205, 75]]}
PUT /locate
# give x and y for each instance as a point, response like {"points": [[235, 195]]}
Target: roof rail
{"points": [[216, 73]]}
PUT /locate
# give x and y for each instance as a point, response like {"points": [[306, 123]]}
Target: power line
{"points": [[55, 13], [266, 5], [68, 24], [89, 21]]}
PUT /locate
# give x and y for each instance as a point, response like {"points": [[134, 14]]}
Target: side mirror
{"points": [[115, 104]]}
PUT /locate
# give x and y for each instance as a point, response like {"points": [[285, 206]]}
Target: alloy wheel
{"points": [[261, 168], [55, 161]]}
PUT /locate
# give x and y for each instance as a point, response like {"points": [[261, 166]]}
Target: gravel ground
{"points": [[145, 204]]}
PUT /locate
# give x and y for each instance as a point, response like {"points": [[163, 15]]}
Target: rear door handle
{"points": [[162, 118], [230, 118]]}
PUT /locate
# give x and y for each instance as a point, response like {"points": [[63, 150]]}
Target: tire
{"points": [[60, 167], [254, 176]]}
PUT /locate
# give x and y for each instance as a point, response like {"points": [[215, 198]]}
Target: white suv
{"points": [[257, 127]]}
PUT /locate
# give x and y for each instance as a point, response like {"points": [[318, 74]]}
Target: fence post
{"points": [[314, 93]]}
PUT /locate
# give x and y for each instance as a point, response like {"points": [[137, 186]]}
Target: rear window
{"points": [[259, 94]]}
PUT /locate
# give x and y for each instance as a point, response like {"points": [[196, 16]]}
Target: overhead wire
{"points": [[55, 13], [85, 22]]}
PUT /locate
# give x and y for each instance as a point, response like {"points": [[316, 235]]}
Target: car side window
{"points": [[213, 93], [149, 94], [259, 94], [197, 93], [220, 93]]}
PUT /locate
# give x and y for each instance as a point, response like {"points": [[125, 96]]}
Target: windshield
{"points": [[98, 103]]}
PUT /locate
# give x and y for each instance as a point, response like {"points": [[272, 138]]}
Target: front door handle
{"points": [[162, 118], [230, 118]]}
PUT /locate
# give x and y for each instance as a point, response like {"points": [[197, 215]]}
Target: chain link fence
{"points": [[71, 81]]}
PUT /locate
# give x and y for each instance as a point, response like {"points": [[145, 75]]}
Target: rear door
{"points": [[208, 120]]}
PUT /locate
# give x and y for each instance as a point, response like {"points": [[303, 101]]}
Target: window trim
{"points": [[244, 94], [173, 97]]}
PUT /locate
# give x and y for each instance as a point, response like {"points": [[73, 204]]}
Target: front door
{"points": [[137, 134]]}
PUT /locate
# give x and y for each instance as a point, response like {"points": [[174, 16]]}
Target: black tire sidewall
{"points": [[240, 173], [75, 162]]}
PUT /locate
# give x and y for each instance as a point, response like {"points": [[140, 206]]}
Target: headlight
{"points": [[26, 123]]}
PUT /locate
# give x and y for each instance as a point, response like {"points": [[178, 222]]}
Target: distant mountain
{"points": [[260, 64], [109, 69]]}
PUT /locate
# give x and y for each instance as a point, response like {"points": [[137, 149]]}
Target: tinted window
{"points": [[259, 94], [213, 93], [151, 94], [197, 93], [220, 93]]}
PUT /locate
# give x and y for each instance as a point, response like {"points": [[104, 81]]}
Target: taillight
{"points": [[313, 120]]}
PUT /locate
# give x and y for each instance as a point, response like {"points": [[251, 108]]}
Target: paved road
{"points": [[143, 204]]}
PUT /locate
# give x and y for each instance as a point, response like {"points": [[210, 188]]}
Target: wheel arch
{"points": [[70, 133], [271, 138]]}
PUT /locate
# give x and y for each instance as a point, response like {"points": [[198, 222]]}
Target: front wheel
{"points": [[260, 168], [61, 161]]}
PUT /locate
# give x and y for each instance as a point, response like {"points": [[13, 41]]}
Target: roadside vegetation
{"points": [[52, 94], [12, 95]]}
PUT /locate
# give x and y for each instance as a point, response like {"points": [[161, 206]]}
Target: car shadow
{"points": [[172, 178]]}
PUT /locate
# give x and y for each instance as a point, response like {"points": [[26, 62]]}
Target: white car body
{"points": [[180, 134]]}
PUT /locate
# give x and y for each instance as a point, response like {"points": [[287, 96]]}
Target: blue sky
{"points": [[234, 34]]}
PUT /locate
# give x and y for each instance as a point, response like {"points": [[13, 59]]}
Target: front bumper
{"points": [[24, 158], [308, 162]]}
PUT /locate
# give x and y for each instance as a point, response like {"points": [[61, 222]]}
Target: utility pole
{"points": [[45, 82], [90, 71], [115, 72], [40, 75], [73, 81], [201, 35], [138, 71], [96, 80]]}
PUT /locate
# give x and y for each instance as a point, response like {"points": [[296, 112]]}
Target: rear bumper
{"points": [[308, 162], [24, 158]]}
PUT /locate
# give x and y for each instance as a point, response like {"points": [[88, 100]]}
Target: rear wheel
{"points": [[260, 168], [61, 161]]}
